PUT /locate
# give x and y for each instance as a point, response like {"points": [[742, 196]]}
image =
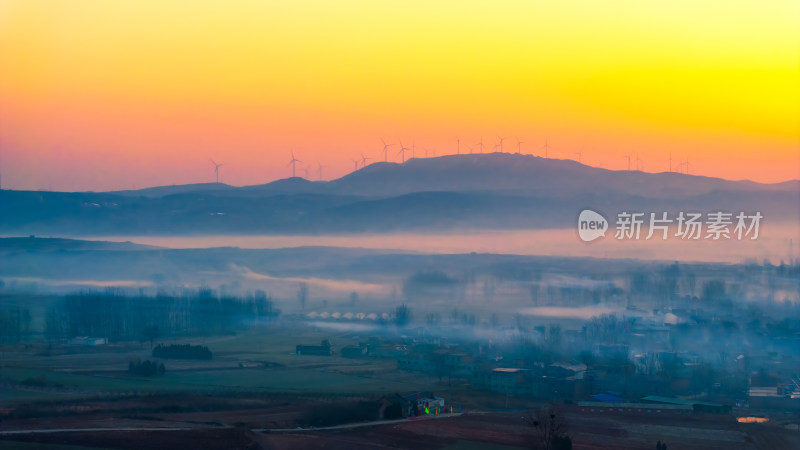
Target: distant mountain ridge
{"points": [[483, 172], [501, 191]]}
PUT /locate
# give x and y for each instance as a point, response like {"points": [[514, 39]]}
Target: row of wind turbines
{"points": [[498, 147], [682, 167]]}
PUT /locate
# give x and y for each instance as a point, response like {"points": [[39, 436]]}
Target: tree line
{"points": [[186, 351], [116, 316], [146, 368]]}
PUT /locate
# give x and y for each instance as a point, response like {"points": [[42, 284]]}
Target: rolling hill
{"points": [[497, 190]]}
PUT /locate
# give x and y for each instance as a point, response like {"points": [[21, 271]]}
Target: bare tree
{"points": [[151, 332], [302, 295], [550, 427], [402, 315]]}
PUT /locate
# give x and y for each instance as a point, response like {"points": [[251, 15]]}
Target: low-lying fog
{"points": [[773, 243]]}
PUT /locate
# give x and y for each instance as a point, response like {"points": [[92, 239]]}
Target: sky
{"points": [[99, 95]]}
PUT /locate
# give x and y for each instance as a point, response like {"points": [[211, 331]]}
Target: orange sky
{"points": [[107, 95]]}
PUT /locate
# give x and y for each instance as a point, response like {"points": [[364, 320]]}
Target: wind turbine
{"points": [[546, 147], [458, 146], [670, 162], [364, 160], [355, 164], [480, 145], [319, 170], [216, 169], [501, 143], [413, 149], [292, 163], [579, 156], [519, 146], [402, 152], [629, 161], [386, 150]]}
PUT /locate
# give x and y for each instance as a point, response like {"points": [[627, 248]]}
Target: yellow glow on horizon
{"points": [[129, 83]]}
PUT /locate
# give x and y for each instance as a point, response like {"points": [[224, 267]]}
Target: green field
{"points": [[258, 361]]}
